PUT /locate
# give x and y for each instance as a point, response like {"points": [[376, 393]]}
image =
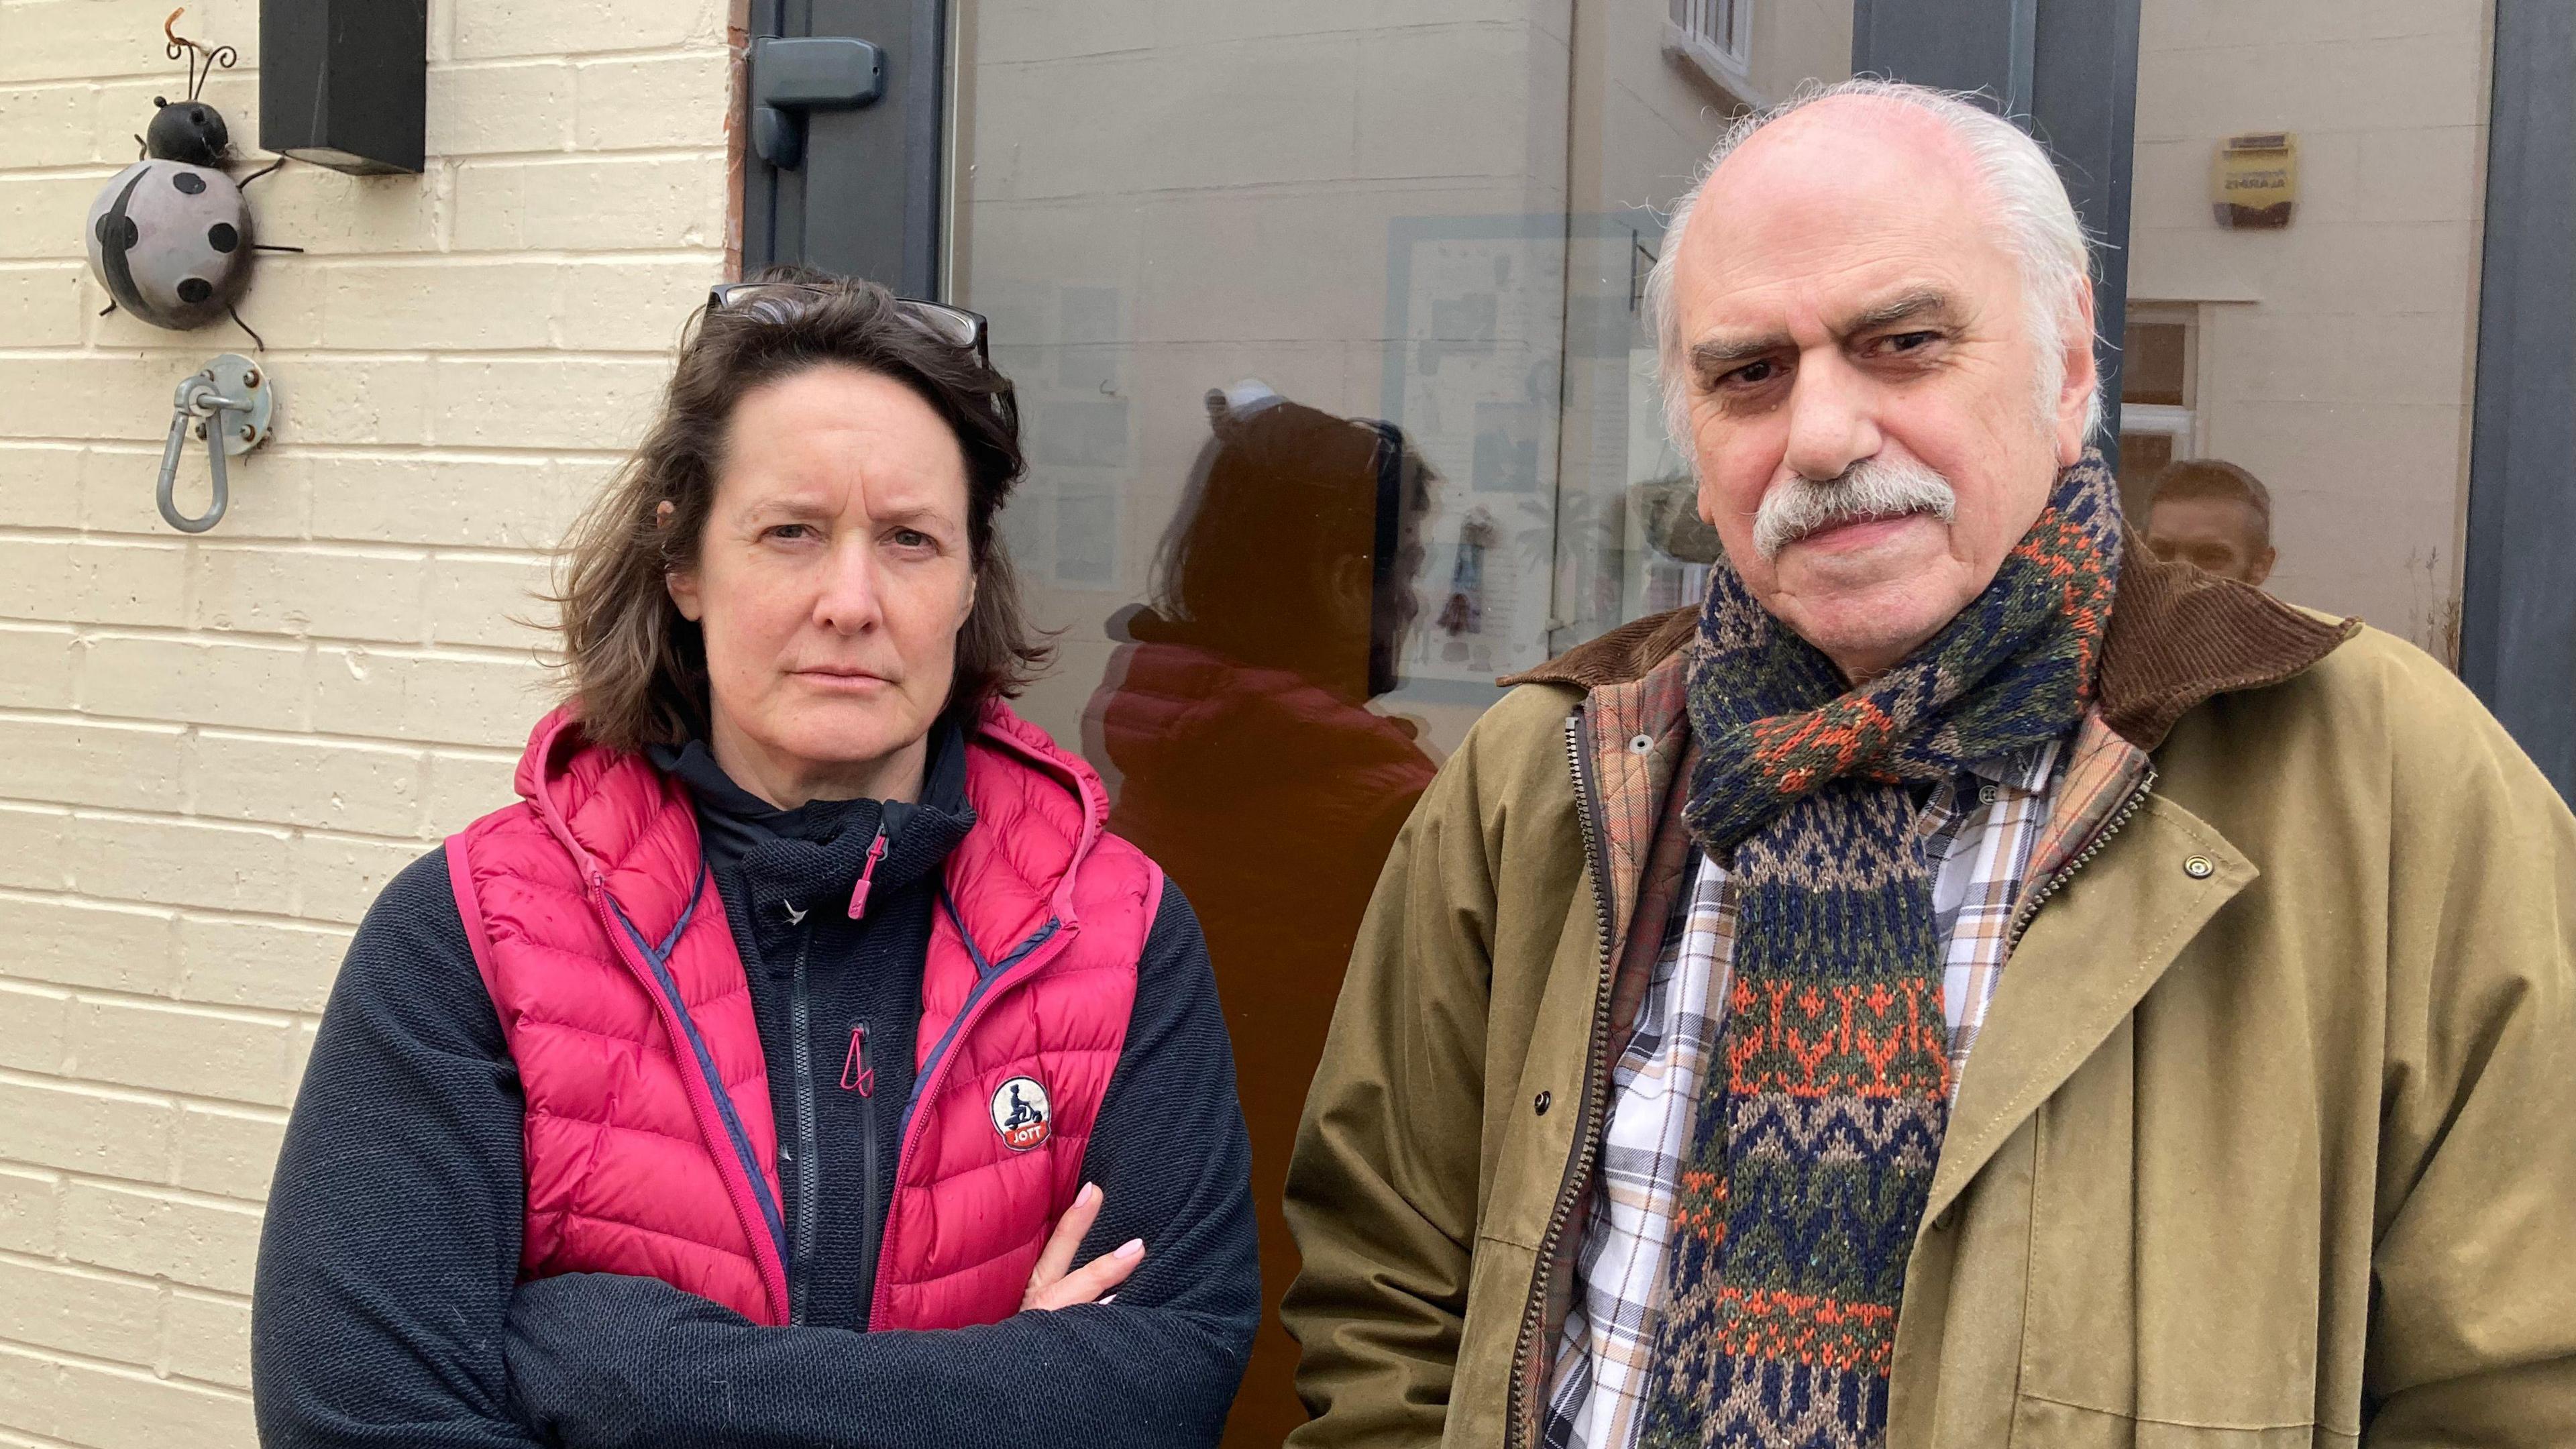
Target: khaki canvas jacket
{"points": [[2269, 1137]]}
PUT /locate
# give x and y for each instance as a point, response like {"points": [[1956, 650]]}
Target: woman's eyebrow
{"points": [[791, 508]]}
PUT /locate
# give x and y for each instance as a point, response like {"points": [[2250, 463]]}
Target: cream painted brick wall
{"points": [[215, 751]]}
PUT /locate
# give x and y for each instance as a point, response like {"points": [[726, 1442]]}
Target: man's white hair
{"points": [[2029, 204]]}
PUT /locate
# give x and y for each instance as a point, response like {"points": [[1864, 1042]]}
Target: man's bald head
{"points": [[1991, 161]]}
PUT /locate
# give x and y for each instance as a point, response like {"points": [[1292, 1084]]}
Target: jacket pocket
{"points": [[2176, 1268], [2046, 1422]]}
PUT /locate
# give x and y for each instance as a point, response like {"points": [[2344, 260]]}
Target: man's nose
{"points": [[1832, 422], [850, 601]]}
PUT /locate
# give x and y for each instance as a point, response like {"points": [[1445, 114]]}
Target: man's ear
{"points": [[2083, 377], [2259, 568]]}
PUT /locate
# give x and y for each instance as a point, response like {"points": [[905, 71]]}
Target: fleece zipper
{"points": [[857, 1075], [809, 1163]]}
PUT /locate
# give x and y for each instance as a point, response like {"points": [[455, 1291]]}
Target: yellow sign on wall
{"points": [[2256, 180]]}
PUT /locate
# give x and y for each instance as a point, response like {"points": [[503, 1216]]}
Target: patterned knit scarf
{"points": [[1814, 1138]]}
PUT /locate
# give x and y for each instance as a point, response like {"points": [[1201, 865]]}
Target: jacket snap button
{"points": [[1541, 1102], [1640, 744], [2199, 867]]}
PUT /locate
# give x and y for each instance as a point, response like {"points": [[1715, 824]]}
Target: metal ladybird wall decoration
{"points": [[170, 236]]}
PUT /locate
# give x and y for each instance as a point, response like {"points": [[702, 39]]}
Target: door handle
{"points": [[790, 76]]}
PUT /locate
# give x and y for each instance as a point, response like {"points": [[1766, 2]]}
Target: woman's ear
{"points": [[680, 584]]}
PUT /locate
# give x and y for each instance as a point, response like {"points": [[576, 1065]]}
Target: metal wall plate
{"points": [[236, 376]]}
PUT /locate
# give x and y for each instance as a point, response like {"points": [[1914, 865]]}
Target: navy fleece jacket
{"points": [[389, 1311]]}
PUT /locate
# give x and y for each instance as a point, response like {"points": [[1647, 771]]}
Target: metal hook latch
{"points": [[228, 403]]}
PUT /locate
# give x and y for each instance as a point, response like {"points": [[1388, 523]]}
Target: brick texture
{"points": [[215, 750]]}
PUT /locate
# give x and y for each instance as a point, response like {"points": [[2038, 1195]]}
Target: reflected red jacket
{"points": [[650, 1145]]}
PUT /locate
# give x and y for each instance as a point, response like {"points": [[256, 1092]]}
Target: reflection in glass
{"points": [[1235, 717], [2327, 351], [2214, 516]]}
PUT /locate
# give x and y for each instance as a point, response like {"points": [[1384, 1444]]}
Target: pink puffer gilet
{"points": [[650, 1145]]}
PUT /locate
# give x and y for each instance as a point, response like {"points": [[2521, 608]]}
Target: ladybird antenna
{"points": [[202, 58], [263, 171], [257, 344]]}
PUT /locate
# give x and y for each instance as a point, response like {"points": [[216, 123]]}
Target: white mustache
{"points": [[1870, 488]]}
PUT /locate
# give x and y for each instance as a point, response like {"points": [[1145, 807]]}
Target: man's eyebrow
{"points": [[1903, 307], [1724, 351], [1716, 354]]}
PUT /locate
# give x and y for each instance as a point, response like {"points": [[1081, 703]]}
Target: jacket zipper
{"points": [[809, 1166], [1023, 962], [857, 1076], [1595, 1082], [2038, 897]]}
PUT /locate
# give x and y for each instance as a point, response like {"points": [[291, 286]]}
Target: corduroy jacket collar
{"points": [[2177, 637]]}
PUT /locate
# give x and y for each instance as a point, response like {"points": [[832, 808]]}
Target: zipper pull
{"points": [[856, 1075], [868, 873]]}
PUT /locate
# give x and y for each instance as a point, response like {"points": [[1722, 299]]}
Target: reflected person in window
{"points": [[1970, 981], [2213, 516], [799, 1061], [1236, 718]]}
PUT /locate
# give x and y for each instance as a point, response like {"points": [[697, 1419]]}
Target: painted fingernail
{"points": [[1132, 1248]]}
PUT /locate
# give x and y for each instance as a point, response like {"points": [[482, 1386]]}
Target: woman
{"points": [[801, 996]]}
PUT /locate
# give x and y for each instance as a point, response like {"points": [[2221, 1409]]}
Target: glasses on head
{"points": [[772, 300]]}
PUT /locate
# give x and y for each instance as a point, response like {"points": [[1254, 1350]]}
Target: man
{"points": [[1974, 983], [2214, 516]]}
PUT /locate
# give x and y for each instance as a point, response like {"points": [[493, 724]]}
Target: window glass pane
{"points": [[2323, 244], [2143, 457], [2151, 367], [1339, 404]]}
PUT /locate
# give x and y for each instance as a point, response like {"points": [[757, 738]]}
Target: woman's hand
{"points": [[1056, 1283]]}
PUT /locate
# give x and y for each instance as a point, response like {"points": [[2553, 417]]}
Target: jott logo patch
{"points": [[1020, 1113]]}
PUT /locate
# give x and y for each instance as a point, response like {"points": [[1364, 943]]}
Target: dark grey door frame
{"points": [[866, 201], [2518, 599], [2066, 69]]}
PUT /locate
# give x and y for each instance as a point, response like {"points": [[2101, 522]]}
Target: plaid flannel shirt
{"points": [[1981, 826]]}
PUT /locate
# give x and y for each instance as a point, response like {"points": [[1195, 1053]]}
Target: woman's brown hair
{"points": [[636, 669]]}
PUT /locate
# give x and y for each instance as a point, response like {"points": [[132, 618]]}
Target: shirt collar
{"points": [[2027, 769]]}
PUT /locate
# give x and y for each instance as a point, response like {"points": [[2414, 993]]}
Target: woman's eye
{"points": [[911, 538], [790, 531]]}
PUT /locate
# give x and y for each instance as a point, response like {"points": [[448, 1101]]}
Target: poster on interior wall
{"points": [[1475, 329]]}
